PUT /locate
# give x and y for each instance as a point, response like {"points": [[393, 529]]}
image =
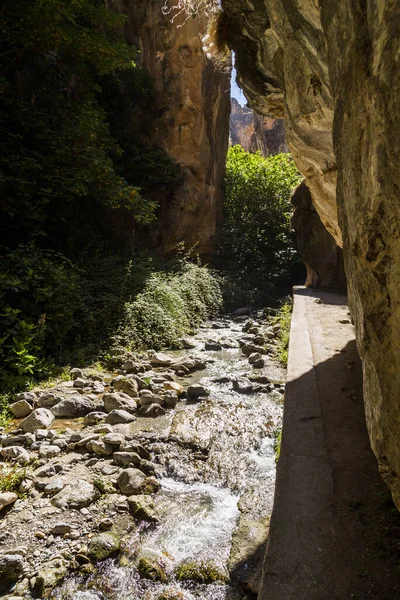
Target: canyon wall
{"points": [[331, 70], [255, 132], [191, 115], [321, 255]]}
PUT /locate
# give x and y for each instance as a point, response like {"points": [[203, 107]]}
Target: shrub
{"points": [[170, 305]]}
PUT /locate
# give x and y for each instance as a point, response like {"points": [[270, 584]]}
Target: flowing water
{"points": [[215, 461]]}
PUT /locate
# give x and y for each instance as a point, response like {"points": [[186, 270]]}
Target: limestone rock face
{"points": [[191, 116], [321, 255], [255, 132], [331, 70]]}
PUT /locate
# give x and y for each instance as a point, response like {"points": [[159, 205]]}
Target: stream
{"points": [[215, 460]]}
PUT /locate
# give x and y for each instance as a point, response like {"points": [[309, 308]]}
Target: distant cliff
{"points": [[256, 132]]}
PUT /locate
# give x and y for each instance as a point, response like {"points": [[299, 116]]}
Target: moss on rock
{"points": [[103, 546], [149, 569], [202, 572]]}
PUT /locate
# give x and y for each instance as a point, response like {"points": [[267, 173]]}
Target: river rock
{"points": [[126, 384], [54, 486], [16, 453], [72, 407], [248, 349], [93, 418], [49, 451], [41, 418], [197, 391], [115, 401], [161, 360], [130, 446], [187, 344], [48, 400], [76, 373], [101, 447], [131, 481], [254, 357], [170, 399], [142, 508], [114, 439], [152, 410], [20, 409], [7, 498], [77, 494], [148, 398], [61, 528], [126, 458], [49, 576], [212, 345], [173, 386], [15, 440], [242, 386], [119, 416], [11, 568], [28, 396], [103, 546]]}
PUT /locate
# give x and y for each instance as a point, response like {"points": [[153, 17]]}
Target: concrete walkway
{"points": [[334, 532]]}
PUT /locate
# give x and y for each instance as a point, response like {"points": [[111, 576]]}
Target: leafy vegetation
{"points": [[11, 477], [77, 163], [283, 318], [256, 241], [170, 305]]}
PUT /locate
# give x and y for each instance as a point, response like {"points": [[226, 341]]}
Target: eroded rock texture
{"points": [[192, 120], [332, 70], [321, 255], [255, 132]]}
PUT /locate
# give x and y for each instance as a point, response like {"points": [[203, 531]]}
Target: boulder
{"points": [[93, 418], [73, 407], [103, 546], [20, 409], [77, 494], [11, 567], [248, 349], [76, 373], [41, 418], [49, 451], [119, 416], [197, 391], [126, 384], [49, 575], [7, 498], [115, 401], [114, 439], [16, 453], [161, 360], [254, 357], [48, 400], [101, 447], [131, 481], [126, 458], [173, 386], [142, 508], [152, 410]]}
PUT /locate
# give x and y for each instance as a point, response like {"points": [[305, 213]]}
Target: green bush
{"points": [[170, 305], [256, 241], [39, 297]]}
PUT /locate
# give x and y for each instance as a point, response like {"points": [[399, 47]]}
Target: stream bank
{"points": [[164, 469]]}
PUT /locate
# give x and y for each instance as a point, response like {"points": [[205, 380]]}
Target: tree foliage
{"points": [[76, 161], [256, 238]]}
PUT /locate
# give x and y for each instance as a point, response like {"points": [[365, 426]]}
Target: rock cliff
{"points": [[331, 70], [255, 132], [321, 255], [192, 120]]}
